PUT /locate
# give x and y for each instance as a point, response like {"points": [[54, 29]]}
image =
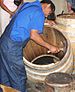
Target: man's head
{"points": [[48, 7]]}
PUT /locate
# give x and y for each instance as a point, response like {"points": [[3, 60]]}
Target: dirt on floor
{"points": [[35, 87]]}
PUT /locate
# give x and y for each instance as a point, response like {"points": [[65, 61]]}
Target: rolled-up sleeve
{"points": [[37, 22]]}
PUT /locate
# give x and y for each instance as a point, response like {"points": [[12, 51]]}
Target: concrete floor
{"points": [[35, 87]]}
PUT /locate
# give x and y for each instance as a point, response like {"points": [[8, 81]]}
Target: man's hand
{"points": [[54, 49]]}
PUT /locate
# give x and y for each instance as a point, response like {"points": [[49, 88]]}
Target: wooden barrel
{"points": [[58, 82], [66, 20], [62, 61], [66, 23], [73, 83]]}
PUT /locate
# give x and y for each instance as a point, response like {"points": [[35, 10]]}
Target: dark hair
{"points": [[18, 2], [49, 2]]}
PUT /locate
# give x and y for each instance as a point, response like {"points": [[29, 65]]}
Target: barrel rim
{"points": [[67, 22], [27, 63], [45, 55]]}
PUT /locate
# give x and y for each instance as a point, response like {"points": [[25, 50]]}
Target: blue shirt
{"points": [[30, 17], [72, 2]]}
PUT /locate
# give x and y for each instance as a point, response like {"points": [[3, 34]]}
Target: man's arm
{"points": [[37, 38], [4, 7], [69, 6]]}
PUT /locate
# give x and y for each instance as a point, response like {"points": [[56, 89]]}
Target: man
{"points": [[8, 6], [71, 6], [26, 24], [7, 11], [12, 3]]}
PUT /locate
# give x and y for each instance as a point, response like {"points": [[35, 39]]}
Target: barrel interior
{"points": [[59, 78], [50, 35], [43, 60]]}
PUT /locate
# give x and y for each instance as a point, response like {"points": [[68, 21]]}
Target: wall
{"points": [[4, 20], [0, 22], [61, 5]]}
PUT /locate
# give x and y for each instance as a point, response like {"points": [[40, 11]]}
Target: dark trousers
{"points": [[12, 70]]}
